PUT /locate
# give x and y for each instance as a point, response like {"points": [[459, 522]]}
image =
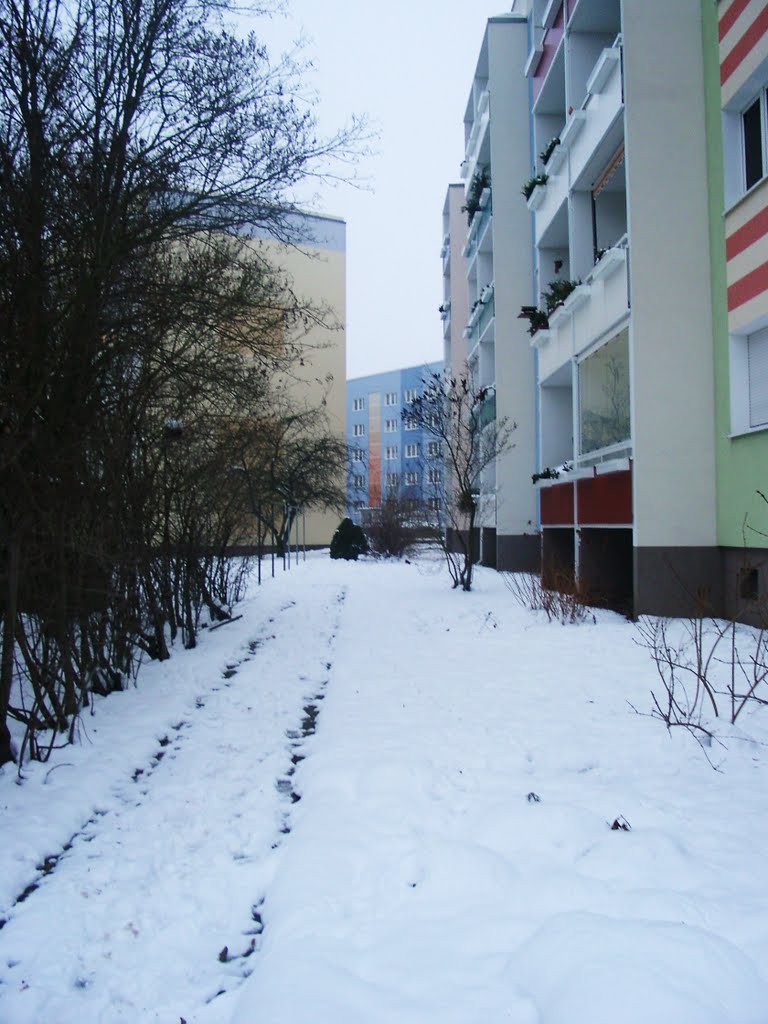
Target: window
{"points": [[359, 430], [358, 455], [434, 504], [358, 404], [604, 396], [435, 476], [390, 398], [358, 482], [753, 138], [409, 423], [411, 451], [390, 426], [757, 369], [434, 449], [391, 452], [393, 479], [749, 381], [411, 479], [411, 393]]}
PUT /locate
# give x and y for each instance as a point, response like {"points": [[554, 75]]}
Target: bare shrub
{"points": [[710, 669], [392, 530], [564, 602]]}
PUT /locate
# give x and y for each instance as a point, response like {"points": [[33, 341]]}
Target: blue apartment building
{"points": [[389, 454]]}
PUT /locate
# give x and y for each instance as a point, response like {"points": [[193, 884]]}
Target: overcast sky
{"points": [[408, 65]]}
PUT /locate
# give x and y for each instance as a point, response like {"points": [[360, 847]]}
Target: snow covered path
{"points": [[132, 922], [441, 854]]}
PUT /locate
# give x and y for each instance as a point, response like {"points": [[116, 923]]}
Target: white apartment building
{"points": [[625, 369], [497, 255]]}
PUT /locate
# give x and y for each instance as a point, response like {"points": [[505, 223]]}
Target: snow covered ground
{"points": [[380, 800]]}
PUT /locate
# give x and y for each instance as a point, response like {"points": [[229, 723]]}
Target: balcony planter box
{"points": [[541, 337], [603, 69], [577, 298], [573, 127], [556, 159], [534, 59], [609, 262], [551, 12], [536, 197], [485, 196], [556, 317]]}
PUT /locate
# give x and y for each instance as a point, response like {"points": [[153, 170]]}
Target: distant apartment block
{"points": [[389, 454]]}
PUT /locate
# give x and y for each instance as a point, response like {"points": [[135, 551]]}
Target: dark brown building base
{"points": [[518, 553]]}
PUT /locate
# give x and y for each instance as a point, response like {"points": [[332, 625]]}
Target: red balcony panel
{"points": [[552, 39], [605, 498], [557, 505]]}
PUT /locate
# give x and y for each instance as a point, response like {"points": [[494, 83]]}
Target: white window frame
{"points": [[393, 479], [741, 384], [358, 482], [435, 476], [358, 455], [358, 404], [390, 398], [434, 450], [412, 451], [411, 394], [409, 423], [411, 478], [358, 430], [761, 98], [390, 426], [391, 453]]}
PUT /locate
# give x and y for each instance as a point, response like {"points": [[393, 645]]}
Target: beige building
{"points": [[315, 270]]}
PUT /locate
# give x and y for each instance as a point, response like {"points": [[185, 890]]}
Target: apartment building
{"points": [[497, 266], [736, 37], [315, 269], [389, 454], [621, 322]]}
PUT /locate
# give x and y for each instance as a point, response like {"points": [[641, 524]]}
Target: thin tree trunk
{"points": [[9, 643]]}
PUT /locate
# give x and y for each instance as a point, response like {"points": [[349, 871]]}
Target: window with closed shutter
{"points": [[757, 357]]}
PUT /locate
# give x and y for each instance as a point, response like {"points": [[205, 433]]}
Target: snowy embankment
{"points": [[450, 860]]}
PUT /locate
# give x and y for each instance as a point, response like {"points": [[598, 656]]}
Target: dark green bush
{"points": [[349, 541]]}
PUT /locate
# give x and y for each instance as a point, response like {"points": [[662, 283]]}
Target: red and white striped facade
{"points": [[743, 35]]}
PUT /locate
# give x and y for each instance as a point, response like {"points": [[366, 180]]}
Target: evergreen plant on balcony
{"points": [[480, 181], [548, 150], [557, 292], [530, 185]]}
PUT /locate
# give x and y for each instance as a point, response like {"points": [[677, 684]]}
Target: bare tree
{"points": [[465, 443], [141, 146]]}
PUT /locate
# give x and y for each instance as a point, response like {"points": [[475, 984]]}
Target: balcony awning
{"points": [[613, 165]]}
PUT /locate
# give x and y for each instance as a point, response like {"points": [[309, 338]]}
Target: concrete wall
{"points": [[516, 504], [671, 330]]}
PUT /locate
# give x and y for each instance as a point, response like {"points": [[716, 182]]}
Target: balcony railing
{"points": [[482, 317], [478, 227], [485, 411]]}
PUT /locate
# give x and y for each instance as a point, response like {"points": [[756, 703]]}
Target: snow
{"points": [[411, 790]]}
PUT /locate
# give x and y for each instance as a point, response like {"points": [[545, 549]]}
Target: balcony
{"points": [[593, 308], [477, 237], [476, 143], [598, 126], [445, 253], [484, 412], [481, 322]]}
